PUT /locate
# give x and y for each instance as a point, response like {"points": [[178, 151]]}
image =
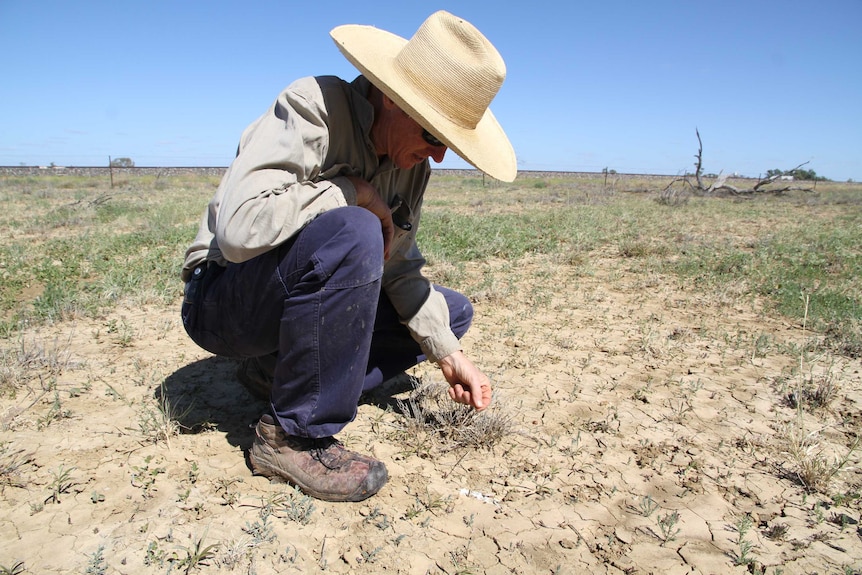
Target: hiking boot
{"points": [[254, 379], [322, 468]]}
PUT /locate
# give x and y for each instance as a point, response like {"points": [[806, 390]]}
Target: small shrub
{"points": [[743, 556], [96, 564]]}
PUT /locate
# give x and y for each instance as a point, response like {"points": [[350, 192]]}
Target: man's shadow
{"points": [[207, 395], [384, 396]]}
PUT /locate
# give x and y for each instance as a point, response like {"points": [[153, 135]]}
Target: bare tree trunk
{"points": [[698, 165]]}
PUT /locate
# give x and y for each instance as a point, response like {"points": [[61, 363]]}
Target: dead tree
{"points": [[671, 194]]}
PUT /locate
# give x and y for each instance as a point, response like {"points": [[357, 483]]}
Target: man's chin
{"points": [[407, 163]]}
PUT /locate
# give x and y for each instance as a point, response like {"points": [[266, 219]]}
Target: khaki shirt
{"points": [[292, 165]]}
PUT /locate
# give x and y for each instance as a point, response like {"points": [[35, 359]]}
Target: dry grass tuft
{"points": [[429, 412], [814, 393], [12, 462], [31, 359], [162, 422], [814, 468]]}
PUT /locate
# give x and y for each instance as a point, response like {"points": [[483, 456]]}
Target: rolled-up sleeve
{"points": [[430, 328], [423, 309]]}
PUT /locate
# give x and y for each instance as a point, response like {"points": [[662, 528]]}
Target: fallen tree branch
{"points": [[720, 184]]}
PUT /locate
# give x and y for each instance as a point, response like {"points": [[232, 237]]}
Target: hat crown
{"points": [[453, 67]]}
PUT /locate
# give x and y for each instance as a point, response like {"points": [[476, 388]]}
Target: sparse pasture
{"points": [[678, 389]]}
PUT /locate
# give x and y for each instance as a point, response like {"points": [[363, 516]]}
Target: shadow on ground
{"points": [[383, 396], [207, 395]]}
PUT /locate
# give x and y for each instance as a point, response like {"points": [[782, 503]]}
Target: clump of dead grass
{"points": [[816, 464], [12, 464], [31, 359], [815, 468], [431, 417], [814, 392], [162, 422]]}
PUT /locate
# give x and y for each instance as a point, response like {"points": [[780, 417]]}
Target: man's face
{"points": [[402, 139]]}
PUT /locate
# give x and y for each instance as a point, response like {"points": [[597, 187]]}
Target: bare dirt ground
{"points": [[650, 433]]}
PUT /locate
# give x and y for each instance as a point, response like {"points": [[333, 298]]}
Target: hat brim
{"points": [[373, 52]]}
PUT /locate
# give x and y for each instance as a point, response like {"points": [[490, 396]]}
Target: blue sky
{"points": [[590, 85]]}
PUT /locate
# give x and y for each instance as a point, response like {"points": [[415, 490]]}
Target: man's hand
{"points": [[467, 384], [368, 198]]}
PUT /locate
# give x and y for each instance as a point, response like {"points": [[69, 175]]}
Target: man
{"points": [[306, 266]]}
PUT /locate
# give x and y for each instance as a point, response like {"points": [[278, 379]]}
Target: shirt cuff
{"points": [[430, 328]]}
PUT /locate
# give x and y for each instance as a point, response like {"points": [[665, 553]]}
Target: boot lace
{"points": [[329, 452]]}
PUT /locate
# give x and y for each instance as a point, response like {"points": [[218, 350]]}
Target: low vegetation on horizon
{"points": [[74, 246]]}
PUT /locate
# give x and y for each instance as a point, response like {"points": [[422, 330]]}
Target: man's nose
{"points": [[438, 153]]}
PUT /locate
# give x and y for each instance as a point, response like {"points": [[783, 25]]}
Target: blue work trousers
{"points": [[313, 309]]}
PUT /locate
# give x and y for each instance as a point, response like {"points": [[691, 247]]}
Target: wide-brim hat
{"points": [[444, 77]]}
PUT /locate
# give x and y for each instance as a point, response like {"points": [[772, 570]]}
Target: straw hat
{"points": [[444, 77]]}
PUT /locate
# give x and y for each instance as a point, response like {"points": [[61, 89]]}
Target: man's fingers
{"points": [[452, 395], [460, 394], [477, 401], [467, 384]]}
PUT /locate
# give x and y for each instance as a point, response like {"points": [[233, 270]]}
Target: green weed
{"points": [[744, 546], [96, 564], [647, 506], [144, 477], [16, 569], [61, 483], [296, 506], [667, 526], [196, 556]]}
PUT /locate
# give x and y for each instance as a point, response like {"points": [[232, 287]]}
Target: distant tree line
{"points": [[798, 174]]}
